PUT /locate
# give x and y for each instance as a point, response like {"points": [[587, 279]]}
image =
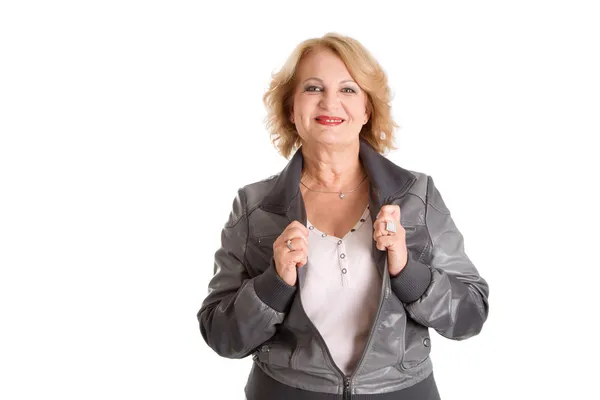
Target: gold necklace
{"points": [[341, 194]]}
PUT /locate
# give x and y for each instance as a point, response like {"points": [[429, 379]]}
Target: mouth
{"points": [[327, 120]]}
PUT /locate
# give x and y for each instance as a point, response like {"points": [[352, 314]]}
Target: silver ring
{"points": [[289, 244], [390, 226]]}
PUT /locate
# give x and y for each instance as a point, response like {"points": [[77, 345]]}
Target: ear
{"points": [[292, 116]]}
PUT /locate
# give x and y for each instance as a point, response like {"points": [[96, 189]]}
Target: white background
{"points": [[128, 126]]}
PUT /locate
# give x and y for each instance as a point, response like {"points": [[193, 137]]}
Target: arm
{"points": [[240, 313], [448, 295]]}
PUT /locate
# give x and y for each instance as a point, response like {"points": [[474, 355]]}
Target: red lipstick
{"points": [[329, 120]]}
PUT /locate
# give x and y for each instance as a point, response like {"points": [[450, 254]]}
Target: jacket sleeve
{"points": [[448, 295], [241, 313]]}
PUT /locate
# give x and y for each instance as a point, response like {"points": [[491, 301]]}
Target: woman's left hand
{"points": [[395, 243]]}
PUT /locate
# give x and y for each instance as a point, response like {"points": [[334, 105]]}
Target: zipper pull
{"points": [[346, 388]]}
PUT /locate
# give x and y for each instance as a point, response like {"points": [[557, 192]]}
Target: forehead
{"points": [[322, 63]]}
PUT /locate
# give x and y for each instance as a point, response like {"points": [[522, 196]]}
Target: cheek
{"points": [[305, 107], [357, 111]]}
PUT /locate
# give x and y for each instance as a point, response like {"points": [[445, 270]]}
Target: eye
{"points": [[350, 90], [310, 89]]}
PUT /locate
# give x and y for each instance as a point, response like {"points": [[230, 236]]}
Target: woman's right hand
{"points": [[287, 260]]}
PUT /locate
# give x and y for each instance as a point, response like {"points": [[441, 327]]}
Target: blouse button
{"points": [[342, 255], [362, 220], [339, 242], [311, 227], [323, 234], [344, 270]]}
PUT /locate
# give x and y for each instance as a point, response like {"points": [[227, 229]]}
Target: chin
{"points": [[329, 137]]}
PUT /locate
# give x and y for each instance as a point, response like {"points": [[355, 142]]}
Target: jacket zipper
{"points": [[384, 295], [347, 390], [382, 298], [345, 379]]}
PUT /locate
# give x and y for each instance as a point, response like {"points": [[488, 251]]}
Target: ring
{"points": [[289, 244], [390, 226]]}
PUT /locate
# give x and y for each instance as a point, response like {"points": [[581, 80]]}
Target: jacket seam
{"points": [[440, 211], [249, 211], [427, 213], [245, 206], [424, 250], [412, 194], [233, 224], [430, 203], [404, 189], [274, 315], [425, 220]]}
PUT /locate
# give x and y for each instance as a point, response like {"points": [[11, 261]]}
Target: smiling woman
{"points": [[334, 90], [332, 272], [346, 70]]}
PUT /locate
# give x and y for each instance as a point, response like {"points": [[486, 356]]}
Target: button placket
{"points": [[342, 262]]}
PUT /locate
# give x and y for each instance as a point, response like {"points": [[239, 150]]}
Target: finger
{"points": [[379, 234], [379, 230], [296, 258], [296, 229], [296, 243], [386, 233], [292, 259], [297, 233], [380, 244], [390, 210], [292, 232], [387, 242], [379, 227], [297, 224]]}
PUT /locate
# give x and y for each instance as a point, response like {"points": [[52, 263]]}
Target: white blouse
{"points": [[340, 288]]}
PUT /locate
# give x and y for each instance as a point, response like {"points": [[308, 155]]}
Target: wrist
{"points": [[394, 272]]}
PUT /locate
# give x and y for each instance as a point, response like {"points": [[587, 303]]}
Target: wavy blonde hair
{"points": [[365, 70]]}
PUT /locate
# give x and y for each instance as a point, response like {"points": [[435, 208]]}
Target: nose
{"points": [[330, 100]]}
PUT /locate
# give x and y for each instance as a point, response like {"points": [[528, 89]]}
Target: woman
{"points": [[332, 272]]}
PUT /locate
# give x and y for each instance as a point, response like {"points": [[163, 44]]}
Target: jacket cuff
{"points": [[273, 291], [412, 282]]}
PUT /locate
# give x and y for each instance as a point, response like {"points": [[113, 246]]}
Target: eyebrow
{"points": [[321, 80]]}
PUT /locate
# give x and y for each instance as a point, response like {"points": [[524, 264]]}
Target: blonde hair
{"points": [[365, 70]]}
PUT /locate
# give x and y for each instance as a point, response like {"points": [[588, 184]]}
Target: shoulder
{"points": [[425, 189], [254, 192], [420, 185]]}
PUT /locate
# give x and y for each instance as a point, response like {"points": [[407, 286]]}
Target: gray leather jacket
{"points": [[250, 310]]}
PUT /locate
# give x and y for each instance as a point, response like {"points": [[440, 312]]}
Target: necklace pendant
{"points": [[342, 195]]}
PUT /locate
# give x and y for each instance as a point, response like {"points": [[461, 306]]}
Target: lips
{"points": [[329, 120]]}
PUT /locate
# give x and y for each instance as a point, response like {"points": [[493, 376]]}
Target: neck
{"points": [[332, 169]]}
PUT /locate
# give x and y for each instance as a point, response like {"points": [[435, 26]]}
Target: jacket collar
{"points": [[388, 181]]}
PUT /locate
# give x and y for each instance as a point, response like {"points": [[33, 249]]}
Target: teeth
{"points": [[332, 120]]}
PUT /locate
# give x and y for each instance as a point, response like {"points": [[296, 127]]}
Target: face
{"points": [[329, 107]]}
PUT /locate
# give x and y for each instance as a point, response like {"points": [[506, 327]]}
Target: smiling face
{"points": [[328, 105]]}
